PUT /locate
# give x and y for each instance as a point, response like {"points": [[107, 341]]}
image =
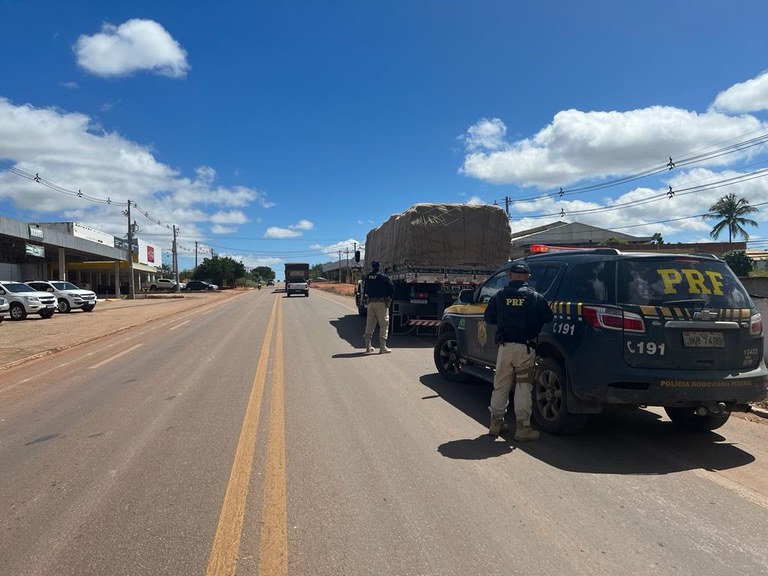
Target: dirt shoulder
{"points": [[35, 337]]}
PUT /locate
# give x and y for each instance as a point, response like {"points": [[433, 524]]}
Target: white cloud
{"points": [[275, 232], [134, 46], [346, 247], [487, 134], [292, 231], [302, 225], [219, 229], [749, 96], [69, 85], [475, 201], [69, 150], [578, 145], [229, 217]]}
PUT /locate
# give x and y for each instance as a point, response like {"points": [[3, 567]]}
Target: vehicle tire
{"points": [[362, 311], [47, 315], [306, 293], [64, 305], [153, 288], [687, 419], [448, 358], [88, 308], [550, 400], [17, 311]]}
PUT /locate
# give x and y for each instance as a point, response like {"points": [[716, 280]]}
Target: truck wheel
{"points": [[64, 305], [550, 400], [362, 311], [687, 419], [448, 358], [47, 314], [17, 311]]}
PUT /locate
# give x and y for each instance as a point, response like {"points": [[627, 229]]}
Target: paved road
{"points": [[255, 436]]}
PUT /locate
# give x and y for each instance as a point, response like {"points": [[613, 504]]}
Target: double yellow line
{"points": [[273, 543]]}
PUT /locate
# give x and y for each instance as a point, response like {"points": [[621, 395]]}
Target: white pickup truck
{"points": [[297, 287], [165, 284], [68, 296]]}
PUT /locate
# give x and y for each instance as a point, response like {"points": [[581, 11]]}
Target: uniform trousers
{"points": [[378, 312], [514, 364]]}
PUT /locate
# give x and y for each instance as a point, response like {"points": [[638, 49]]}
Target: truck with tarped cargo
{"points": [[432, 252], [297, 278]]}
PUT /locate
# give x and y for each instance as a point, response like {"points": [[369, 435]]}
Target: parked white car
{"points": [[165, 284], [4, 308], [68, 296], [25, 300]]}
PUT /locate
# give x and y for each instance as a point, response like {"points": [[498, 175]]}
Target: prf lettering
{"points": [[707, 283], [515, 301]]}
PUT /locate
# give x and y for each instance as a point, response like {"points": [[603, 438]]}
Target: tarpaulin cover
{"points": [[442, 235]]}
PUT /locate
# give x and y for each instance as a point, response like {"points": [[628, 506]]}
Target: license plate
{"points": [[703, 340]]}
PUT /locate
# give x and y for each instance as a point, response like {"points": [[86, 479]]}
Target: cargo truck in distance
{"points": [[296, 278], [432, 252]]}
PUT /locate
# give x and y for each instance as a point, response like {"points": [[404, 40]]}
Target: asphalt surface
{"points": [[34, 337]]}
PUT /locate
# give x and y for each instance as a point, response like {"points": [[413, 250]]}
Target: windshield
{"points": [[683, 281], [19, 287], [64, 286]]}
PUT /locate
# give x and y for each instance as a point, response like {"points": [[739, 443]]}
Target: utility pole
{"points": [[131, 290], [195, 254], [346, 263], [507, 200], [338, 280], [175, 259]]}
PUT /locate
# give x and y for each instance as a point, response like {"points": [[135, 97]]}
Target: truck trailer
{"points": [[432, 252], [296, 278]]}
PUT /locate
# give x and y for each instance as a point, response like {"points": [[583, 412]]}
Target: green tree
{"points": [[739, 262], [221, 271], [657, 239], [316, 271], [262, 273], [731, 212]]}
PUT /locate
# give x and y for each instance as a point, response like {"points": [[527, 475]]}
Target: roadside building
{"points": [[70, 251]]}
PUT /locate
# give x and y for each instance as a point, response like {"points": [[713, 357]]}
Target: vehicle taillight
{"points": [[614, 319], [756, 325]]}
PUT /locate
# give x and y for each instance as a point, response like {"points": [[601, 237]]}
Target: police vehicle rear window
{"points": [[680, 281], [590, 282]]}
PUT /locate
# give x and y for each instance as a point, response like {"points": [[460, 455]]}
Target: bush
{"points": [[245, 283], [739, 262]]}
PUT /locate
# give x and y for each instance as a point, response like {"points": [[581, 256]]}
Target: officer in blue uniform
{"points": [[378, 290], [519, 313]]}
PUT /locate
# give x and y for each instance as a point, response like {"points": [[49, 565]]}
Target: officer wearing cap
{"points": [[378, 289], [519, 313]]}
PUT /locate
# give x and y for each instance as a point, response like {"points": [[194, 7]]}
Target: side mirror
{"points": [[465, 296]]}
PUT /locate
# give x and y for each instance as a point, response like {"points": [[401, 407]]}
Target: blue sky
{"points": [[284, 131]]}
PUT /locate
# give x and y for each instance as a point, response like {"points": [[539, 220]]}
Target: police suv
{"points": [[632, 329]]}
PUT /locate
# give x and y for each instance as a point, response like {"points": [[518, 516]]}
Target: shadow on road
{"points": [[479, 448], [618, 441], [351, 328]]}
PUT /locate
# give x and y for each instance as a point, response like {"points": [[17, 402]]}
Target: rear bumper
{"points": [[670, 388]]}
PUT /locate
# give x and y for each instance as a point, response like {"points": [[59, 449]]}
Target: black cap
{"points": [[375, 264], [519, 268]]}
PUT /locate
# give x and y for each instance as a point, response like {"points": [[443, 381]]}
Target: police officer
{"points": [[378, 290], [519, 313]]}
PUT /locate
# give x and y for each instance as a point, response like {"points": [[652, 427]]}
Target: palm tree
{"points": [[730, 211]]}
